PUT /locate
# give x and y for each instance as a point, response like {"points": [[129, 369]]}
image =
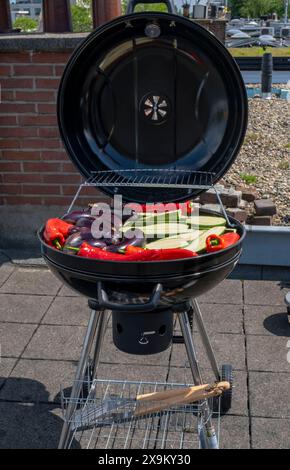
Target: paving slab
{"points": [[31, 281], [68, 311], [6, 366], [269, 433], [222, 318], [122, 372], [25, 257], [68, 292], [56, 342], [240, 391], [29, 426], [37, 381], [14, 337], [264, 293], [234, 432], [6, 270], [265, 387], [21, 308], [228, 348], [268, 353], [267, 320], [228, 292]]}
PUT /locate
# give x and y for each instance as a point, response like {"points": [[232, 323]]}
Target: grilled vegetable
{"points": [[164, 243], [153, 231], [74, 216], [56, 231], [214, 243], [185, 207], [85, 221], [199, 245], [204, 222], [75, 241], [230, 239]]}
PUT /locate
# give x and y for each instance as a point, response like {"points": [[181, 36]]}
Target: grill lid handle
{"points": [[105, 303], [132, 4]]}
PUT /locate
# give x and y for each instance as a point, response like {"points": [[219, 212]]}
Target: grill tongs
{"points": [[114, 409]]}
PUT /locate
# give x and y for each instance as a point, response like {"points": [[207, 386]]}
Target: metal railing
{"points": [[56, 14]]}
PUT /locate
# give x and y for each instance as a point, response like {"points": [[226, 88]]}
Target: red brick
{"points": [[7, 95], [41, 189], [48, 132], [9, 144], [22, 178], [37, 120], [52, 83], [54, 200], [33, 70], [20, 155], [46, 108], [14, 57], [68, 167], [50, 57], [16, 200], [18, 132], [54, 155], [40, 144], [69, 190], [42, 167], [16, 108], [10, 189], [8, 120], [17, 83], [2, 201], [5, 70], [62, 178], [59, 69], [9, 167], [35, 96]]}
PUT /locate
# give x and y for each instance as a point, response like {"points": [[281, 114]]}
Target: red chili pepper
{"points": [[230, 239], [56, 231], [214, 243], [131, 250], [185, 207], [88, 251]]}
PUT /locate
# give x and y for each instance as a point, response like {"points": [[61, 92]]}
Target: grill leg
{"points": [[205, 338], [208, 436], [79, 377], [98, 343]]}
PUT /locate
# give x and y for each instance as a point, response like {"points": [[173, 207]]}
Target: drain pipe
{"points": [[267, 76]]}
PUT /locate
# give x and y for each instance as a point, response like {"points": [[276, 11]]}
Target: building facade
{"points": [[28, 8]]}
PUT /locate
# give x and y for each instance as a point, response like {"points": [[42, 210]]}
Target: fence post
{"points": [[5, 16], [56, 16], [105, 10]]}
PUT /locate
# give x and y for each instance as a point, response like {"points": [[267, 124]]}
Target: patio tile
{"points": [[37, 381], [263, 293], [268, 353], [240, 391], [270, 433], [23, 308], [228, 348], [68, 292], [68, 311], [14, 337], [222, 318], [56, 342], [31, 281], [6, 366], [5, 271], [234, 432], [122, 372], [29, 426], [269, 394], [267, 320], [228, 292]]}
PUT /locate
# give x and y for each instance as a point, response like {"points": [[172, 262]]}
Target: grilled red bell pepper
{"points": [[186, 207], [56, 231], [230, 239], [214, 243], [88, 251], [131, 250]]}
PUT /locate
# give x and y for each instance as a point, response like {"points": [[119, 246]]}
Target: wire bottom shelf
{"points": [[176, 428]]}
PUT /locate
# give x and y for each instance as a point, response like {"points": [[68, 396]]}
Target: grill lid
{"points": [[152, 91]]}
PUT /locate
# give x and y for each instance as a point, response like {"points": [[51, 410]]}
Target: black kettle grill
{"points": [[152, 107]]}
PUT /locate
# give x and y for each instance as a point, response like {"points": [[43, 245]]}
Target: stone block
{"points": [[238, 214], [265, 207], [262, 220]]}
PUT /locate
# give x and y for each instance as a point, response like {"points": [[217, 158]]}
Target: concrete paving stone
{"points": [[240, 391], [264, 293], [6, 269], [29, 426], [262, 220], [14, 337], [31, 281], [234, 432], [222, 318], [265, 207], [122, 372], [228, 348], [68, 311], [268, 353], [38, 381], [270, 433], [30, 257], [267, 320], [23, 308], [269, 394], [228, 292], [6, 366], [56, 342], [66, 291]]}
